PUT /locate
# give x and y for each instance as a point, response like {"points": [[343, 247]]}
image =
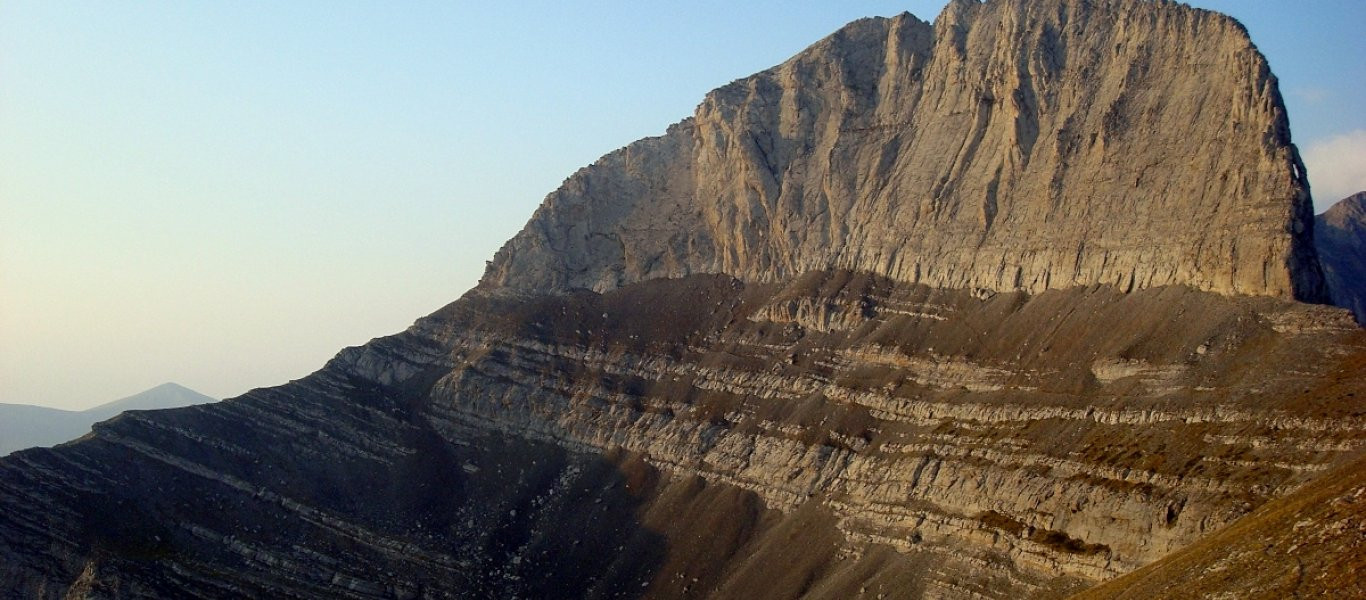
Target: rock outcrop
{"points": [[1012, 145], [1310, 544], [863, 433], [1340, 236], [1000, 307]]}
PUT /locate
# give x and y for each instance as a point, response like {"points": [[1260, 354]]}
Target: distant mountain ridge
{"points": [[1340, 238], [27, 426]]}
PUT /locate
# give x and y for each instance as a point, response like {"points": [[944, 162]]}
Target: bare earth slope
{"points": [[998, 308], [1014, 144]]}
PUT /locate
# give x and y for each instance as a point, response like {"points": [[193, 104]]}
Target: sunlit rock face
{"points": [[1012, 145], [997, 308]]}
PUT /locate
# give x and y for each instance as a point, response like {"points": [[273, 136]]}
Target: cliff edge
{"points": [[1011, 145]]}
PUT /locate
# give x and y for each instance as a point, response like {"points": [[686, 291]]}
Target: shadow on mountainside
{"points": [[480, 453], [205, 502], [283, 492]]}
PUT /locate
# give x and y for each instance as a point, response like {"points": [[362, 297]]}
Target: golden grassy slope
{"points": [[1309, 544]]}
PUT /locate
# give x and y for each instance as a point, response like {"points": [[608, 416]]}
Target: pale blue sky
{"points": [[223, 194]]}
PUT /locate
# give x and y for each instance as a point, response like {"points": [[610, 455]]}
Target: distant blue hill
{"points": [[25, 426]]}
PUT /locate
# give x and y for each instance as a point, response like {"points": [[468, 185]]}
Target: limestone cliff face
{"points": [[812, 326], [1340, 236], [1013, 145]]}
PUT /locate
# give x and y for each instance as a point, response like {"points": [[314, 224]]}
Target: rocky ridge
{"points": [[963, 447], [710, 353], [1010, 146]]}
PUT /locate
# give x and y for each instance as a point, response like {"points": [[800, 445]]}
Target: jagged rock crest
{"points": [[1012, 145]]}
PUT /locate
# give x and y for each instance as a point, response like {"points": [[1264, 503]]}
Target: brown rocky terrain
{"points": [[857, 431], [1000, 307], [1310, 544]]}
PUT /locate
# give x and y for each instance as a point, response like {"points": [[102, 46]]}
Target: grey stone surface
{"points": [[1012, 145]]}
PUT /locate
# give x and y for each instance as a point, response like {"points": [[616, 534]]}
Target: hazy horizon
{"points": [[225, 195]]}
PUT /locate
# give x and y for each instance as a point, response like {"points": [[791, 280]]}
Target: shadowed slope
{"points": [[855, 429], [1340, 235]]}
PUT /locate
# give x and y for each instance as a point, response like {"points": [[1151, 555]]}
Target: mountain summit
{"points": [[1013, 145], [995, 308]]}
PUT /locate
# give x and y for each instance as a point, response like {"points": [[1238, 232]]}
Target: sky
{"points": [[225, 194]]}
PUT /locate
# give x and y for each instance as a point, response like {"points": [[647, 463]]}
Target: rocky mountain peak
{"points": [[1349, 214], [1012, 145], [796, 382], [1340, 237]]}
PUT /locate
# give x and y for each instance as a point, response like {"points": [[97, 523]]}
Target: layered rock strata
{"points": [[933, 443], [1310, 544], [1013, 145], [994, 308]]}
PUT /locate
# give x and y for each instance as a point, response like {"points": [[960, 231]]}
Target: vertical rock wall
{"points": [[1012, 145]]}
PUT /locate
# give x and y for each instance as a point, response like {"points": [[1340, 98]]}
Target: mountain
{"points": [[1010, 146], [1340, 237], [1004, 306], [23, 426], [1303, 545]]}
